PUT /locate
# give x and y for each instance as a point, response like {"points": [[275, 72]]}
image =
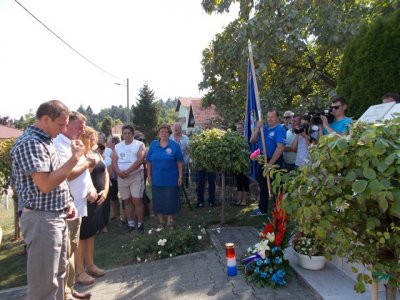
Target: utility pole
{"points": [[128, 110]]}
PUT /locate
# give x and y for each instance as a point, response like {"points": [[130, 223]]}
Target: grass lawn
{"points": [[114, 248]]}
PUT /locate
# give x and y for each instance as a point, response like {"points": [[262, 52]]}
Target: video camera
{"points": [[316, 116], [301, 129]]}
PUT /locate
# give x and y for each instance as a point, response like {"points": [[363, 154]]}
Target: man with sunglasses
{"points": [[341, 123]]}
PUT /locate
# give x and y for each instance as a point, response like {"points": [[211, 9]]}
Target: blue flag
{"points": [[250, 121]]}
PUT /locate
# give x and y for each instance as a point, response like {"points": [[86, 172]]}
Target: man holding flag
{"points": [[275, 140]]}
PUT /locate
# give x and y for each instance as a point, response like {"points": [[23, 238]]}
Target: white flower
{"points": [[218, 230], [271, 237], [158, 229], [261, 248], [138, 258], [199, 237], [161, 242], [199, 226], [150, 231], [159, 252], [203, 231], [170, 255], [145, 260]]}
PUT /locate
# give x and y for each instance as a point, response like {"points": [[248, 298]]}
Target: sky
{"points": [[158, 42]]}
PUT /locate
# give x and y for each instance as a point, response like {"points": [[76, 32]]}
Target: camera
{"points": [[301, 129], [316, 116]]}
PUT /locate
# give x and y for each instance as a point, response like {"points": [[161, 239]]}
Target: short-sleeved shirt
{"points": [[289, 157], [341, 126], [184, 144], [273, 136], [164, 167], [127, 155], [34, 152]]}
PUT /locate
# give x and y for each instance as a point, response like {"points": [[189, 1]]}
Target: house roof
{"points": [[201, 114], [9, 132], [185, 101]]}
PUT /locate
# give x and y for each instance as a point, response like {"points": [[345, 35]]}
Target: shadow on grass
{"points": [[114, 248]]}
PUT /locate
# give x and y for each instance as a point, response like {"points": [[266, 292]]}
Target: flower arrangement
{"points": [[306, 245], [266, 264]]}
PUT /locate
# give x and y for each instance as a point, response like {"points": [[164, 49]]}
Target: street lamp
{"points": [[128, 114]]}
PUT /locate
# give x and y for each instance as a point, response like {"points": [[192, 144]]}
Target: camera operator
{"points": [[302, 141], [341, 123]]}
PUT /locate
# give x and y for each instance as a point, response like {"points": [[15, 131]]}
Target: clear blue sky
{"points": [[155, 41]]}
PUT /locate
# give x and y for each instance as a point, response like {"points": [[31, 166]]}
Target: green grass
{"points": [[113, 249]]}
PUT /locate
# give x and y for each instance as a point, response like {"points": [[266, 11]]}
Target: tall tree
{"points": [[297, 47], [106, 126], [145, 113]]}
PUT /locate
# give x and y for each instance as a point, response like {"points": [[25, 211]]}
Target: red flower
{"points": [[279, 239], [268, 229]]}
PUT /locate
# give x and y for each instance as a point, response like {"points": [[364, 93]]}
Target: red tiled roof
{"points": [[9, 132], [185, 101], [201, 114]]}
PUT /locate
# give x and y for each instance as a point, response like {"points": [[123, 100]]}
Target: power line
{"points": [[72, 48]]}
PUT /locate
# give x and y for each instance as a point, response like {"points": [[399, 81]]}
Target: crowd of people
{"points": [[69, 178]]}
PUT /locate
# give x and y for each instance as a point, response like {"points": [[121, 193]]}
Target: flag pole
{"points": [[259, 117]]}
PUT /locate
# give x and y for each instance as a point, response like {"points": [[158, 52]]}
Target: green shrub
{"points": [[371, 64], [348, 197]]}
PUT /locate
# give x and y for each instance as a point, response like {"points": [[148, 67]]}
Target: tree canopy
{"points": [[371, 64], [297, 47]]}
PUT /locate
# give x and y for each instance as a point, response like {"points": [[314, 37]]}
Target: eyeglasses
{"points": [[336, 107], [287, 117]]}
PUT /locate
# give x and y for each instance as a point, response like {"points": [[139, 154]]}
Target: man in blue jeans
{"points": [[275, 140], [202, 175]]}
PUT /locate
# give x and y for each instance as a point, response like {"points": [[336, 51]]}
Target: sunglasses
{"points": [[140, 140], [335, 107]]}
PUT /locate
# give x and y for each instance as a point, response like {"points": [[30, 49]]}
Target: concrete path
{"points": [[195, 276]]}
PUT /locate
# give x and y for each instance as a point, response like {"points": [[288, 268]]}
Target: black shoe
{"points": [[199, 205], [130, 228], [141, 229]]}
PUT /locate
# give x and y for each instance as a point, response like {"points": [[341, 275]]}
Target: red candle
{"points": [[230, 250]]}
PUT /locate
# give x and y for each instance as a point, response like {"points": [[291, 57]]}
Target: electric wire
{"points": [[72, 48]]}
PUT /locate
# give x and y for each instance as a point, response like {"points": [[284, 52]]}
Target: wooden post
{"points": [[374, 289], [17, 234]]}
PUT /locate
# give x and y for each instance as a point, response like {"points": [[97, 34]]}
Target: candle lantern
{"points": [[230, 259]]}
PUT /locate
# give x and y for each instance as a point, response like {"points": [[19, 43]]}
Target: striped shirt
{"points": [[34, 152]]}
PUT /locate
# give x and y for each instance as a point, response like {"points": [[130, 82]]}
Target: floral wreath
{"points": [[266, 264]]}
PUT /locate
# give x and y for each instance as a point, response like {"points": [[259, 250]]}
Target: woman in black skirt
{"points": [[94, 221]]}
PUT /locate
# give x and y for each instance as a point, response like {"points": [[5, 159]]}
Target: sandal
{"points": [[95, 271], [84, 279]]}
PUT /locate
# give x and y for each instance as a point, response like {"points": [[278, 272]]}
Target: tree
{"points": [[106, 126], [297, 47], [221, 151], [371, 64], [145, 113], [167, 111]]}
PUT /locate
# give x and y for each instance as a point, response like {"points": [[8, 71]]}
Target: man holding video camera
{"points": [[341, 123]]}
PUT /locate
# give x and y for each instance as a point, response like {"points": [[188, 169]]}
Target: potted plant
{"points": [[309, 252]]}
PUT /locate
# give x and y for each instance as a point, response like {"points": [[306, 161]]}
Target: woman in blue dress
{"points": [[165, 173]]}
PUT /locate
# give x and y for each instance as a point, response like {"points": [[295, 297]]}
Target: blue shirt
{"points": [[164, 167], [273, 136], [341, 126]]}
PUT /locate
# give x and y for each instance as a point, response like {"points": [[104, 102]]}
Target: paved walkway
{"points": [[195, 276]]}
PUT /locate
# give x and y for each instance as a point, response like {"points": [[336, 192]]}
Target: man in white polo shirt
{"points": [[127, 162]]}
